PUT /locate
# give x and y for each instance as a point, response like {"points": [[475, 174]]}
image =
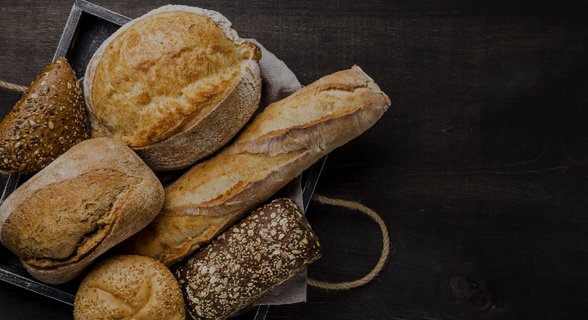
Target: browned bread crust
{"points": [[239, 266], [89, 199], [284, 140], [129, 287], [48, 120], [175, 85]]}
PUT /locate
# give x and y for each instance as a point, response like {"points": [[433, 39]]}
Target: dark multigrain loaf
{"points": [[48, 120], [265, 249]]}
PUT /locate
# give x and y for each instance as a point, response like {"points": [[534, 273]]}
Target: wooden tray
{"points": [[87, 27]]}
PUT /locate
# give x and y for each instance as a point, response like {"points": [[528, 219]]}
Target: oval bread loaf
{"points": [[269, 246], [287, 138], [129, 287], [92, 197], [175, 85]]}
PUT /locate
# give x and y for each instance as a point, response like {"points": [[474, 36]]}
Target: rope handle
{"points": [[385, 245], [12, 86], [324, 200]]}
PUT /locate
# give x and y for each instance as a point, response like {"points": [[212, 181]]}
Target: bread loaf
{"points": [[129, 287], [239, 266], [89, 199], [280, 143], [48, 120], [175, 85]]}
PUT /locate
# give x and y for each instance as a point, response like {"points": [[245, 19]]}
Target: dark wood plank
{"points": [[480, 167]]}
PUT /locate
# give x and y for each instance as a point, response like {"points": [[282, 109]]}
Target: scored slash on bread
{"points": [[287, 138], [49, 119], [91, 198]]}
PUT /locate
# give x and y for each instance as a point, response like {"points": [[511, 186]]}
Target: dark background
{"points": [[479, 168]]}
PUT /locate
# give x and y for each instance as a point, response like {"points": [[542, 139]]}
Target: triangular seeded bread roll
{"points": [[49, 119]]}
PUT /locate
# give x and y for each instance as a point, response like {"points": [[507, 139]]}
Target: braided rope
{"points": [[385, 248], [12, 86]]}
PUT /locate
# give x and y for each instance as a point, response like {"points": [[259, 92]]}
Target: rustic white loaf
{"points": [[175, 85], [91, 198], [287, 138]]}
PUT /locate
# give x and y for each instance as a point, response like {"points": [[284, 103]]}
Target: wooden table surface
{"points": [[479, 168]]}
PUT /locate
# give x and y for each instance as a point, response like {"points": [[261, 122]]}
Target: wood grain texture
{"points": [[479, 168]]}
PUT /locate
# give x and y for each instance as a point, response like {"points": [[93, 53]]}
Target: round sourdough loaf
{"points": [[175, 85], [89, 199]]}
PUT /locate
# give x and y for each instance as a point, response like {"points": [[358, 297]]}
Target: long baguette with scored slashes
{"points": [[265, 249], [287, 138]]}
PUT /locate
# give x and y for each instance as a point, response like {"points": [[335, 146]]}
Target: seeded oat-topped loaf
{"points": [[48, 120], [129, 287], [239, 266]]}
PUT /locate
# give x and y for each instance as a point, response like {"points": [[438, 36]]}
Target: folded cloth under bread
{"points": [[278, 82]]}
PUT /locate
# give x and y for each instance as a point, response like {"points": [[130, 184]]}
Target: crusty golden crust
{"points": [[321, 116], [205, 137], [129, 287], [179, 230], [284, 140], [175, 84], [91, 198]]}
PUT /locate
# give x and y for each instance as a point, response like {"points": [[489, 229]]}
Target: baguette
{"points": [[91, 198], [271, 245], [287, 138]]}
